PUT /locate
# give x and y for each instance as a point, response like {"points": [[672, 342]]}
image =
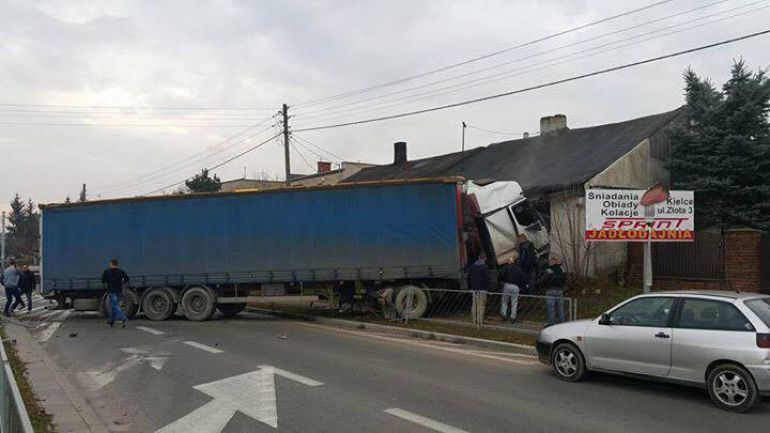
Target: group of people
{"points": [[17, 282], [521, 274]]}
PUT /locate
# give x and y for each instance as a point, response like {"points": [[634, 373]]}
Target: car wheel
{"points": [[158, 304], [230, 310], [568, 363], [732, 388], [198, 303]]}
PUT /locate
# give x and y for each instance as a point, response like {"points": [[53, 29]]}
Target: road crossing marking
{"points": [[150, 330], [423, 421], [42, 307], [203, 347], [48, 332]]}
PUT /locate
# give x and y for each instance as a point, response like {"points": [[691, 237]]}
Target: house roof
{"points": [[540, 164]]}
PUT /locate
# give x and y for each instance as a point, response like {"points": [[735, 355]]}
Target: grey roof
{"points": [[540, 164]]}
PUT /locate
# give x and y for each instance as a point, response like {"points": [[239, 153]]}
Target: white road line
{"points": [[423, 421], [150, 330], [42, 307], [480, 354], [48, 332], [203, 347], [48, 314], [294, 376]]}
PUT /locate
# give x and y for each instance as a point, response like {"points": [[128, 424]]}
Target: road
{"points": [[259, 374]]}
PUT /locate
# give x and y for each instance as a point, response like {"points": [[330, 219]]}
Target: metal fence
{"points": [[702, 259], [509, 311], [13, 413]]}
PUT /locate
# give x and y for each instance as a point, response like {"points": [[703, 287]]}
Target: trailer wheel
{"points": [[230, 310], [198, 303], [128, 303], [419, 301], [158, 304]]}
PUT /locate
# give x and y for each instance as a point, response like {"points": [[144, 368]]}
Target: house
{"points": [[324, 176], [554, 168]]}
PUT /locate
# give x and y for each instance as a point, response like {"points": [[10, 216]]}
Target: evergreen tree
{"points": [[203, 183], [722, 149], [23, 230]]}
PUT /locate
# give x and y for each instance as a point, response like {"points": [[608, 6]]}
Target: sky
{"points": [[130, 97]]}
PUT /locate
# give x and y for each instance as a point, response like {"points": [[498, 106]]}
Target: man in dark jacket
{"points": [[551, 283], [114, 278], [513, 279], [478, 282], [27, 285], [528, 263], [9, 278]]}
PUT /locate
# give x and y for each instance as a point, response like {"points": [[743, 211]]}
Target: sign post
{"points": [[655, 194]]}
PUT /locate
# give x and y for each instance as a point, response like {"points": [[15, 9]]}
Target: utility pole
{"points": [[2, 242], [287, 161], [462, 149]]}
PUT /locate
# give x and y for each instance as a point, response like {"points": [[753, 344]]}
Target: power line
{"points": [[482, 57], [120, 125], [219, 147], [227, 161], [550, 62], [491, 131], [328, 152], [318, 155], [540, 86], [324, 112], [138, 107], [301, 155]]}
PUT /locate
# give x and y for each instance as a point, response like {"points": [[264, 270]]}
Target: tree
{"points": [[722, 149], [203, 183], [23, 230], [83, 194]]}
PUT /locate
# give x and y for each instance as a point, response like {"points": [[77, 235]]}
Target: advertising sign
{"points": [[617, 215]]}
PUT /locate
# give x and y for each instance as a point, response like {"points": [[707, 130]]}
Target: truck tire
{"points": [[158, 304], [419, 302], [198, 303], [128, 303], [230, 310]]}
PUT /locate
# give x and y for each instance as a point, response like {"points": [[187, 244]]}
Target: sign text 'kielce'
{"points": [[615, 215]]}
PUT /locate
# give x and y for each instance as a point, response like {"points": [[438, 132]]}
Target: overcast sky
{"points": [[64, 64]]}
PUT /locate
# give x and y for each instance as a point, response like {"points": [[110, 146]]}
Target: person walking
{"points": [[552, 283], [478, 283], [27, 285], [528, 263], [513, 279], [114, 279], [10, 278]]}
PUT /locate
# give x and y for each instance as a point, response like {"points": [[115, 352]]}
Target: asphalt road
{"points": [[252, 373]]}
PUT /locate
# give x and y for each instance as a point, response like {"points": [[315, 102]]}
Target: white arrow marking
{"points": [[48, 332], [102, 377], [252, 394]]}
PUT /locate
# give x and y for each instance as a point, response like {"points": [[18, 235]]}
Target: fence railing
{"points": [[508, 310], [13, 413]]}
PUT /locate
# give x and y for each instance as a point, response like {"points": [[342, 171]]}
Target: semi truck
{"points": [[198, 253]]}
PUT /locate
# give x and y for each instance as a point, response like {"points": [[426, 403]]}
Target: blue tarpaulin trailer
{"points": [[201, 252], [382, 231]]}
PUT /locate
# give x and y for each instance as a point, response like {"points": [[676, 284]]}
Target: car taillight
{"points": [[763, 341]]}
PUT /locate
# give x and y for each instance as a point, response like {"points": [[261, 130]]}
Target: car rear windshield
{"points": [[761, 307]]}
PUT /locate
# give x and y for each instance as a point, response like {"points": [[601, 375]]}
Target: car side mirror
{"points": [[605, 319]]}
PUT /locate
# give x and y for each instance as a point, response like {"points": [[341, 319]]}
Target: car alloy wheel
{"points": [[566, 362], [730, 388]]}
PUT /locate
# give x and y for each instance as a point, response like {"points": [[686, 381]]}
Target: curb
{"points": [[402, 332], [69, 409]]}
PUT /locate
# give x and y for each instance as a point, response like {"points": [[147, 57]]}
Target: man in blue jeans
{"points": [[10, 278], [552, 283], [114, 279]]}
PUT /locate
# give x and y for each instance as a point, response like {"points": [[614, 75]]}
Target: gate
{"points": [[702, 260]]}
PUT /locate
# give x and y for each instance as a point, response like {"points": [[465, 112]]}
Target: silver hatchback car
{"points": [[716, 340]]}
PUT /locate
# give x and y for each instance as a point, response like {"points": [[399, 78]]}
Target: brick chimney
{"points": [[553, 124], [324, 166], [399, 152]]}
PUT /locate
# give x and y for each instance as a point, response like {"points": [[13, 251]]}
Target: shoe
{"points": [[124, 321], [111, 324]]}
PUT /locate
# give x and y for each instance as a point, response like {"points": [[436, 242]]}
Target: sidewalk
{"points": [[70, 412]]}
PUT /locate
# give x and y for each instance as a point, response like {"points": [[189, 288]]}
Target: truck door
{"points": [[530, 223], [502, 233]]}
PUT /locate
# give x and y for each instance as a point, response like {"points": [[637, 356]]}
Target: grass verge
{"points": [[41, 421]]}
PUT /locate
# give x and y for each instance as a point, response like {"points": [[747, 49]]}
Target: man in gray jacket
{"points": [[10, 280]]}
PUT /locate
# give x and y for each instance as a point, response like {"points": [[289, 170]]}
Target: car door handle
{"points": [[662, 335]]}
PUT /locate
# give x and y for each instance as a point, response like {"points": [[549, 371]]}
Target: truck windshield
{"points": [[760, 307], [525, 214]]}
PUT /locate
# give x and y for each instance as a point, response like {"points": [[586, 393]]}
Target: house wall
{"points": [[643, 166]]}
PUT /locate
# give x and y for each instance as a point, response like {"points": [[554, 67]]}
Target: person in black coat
{"points": [[513, 280], [551, 283], [479, 282], [528, 262], [27, 285]]}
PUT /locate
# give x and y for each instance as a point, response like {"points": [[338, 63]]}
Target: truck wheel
{"points": [[419, 302], [158, 304], [198, 303], [128, 303], [230, 310]]}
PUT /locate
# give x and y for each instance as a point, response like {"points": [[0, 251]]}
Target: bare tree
{"points": [[567, 234]]}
